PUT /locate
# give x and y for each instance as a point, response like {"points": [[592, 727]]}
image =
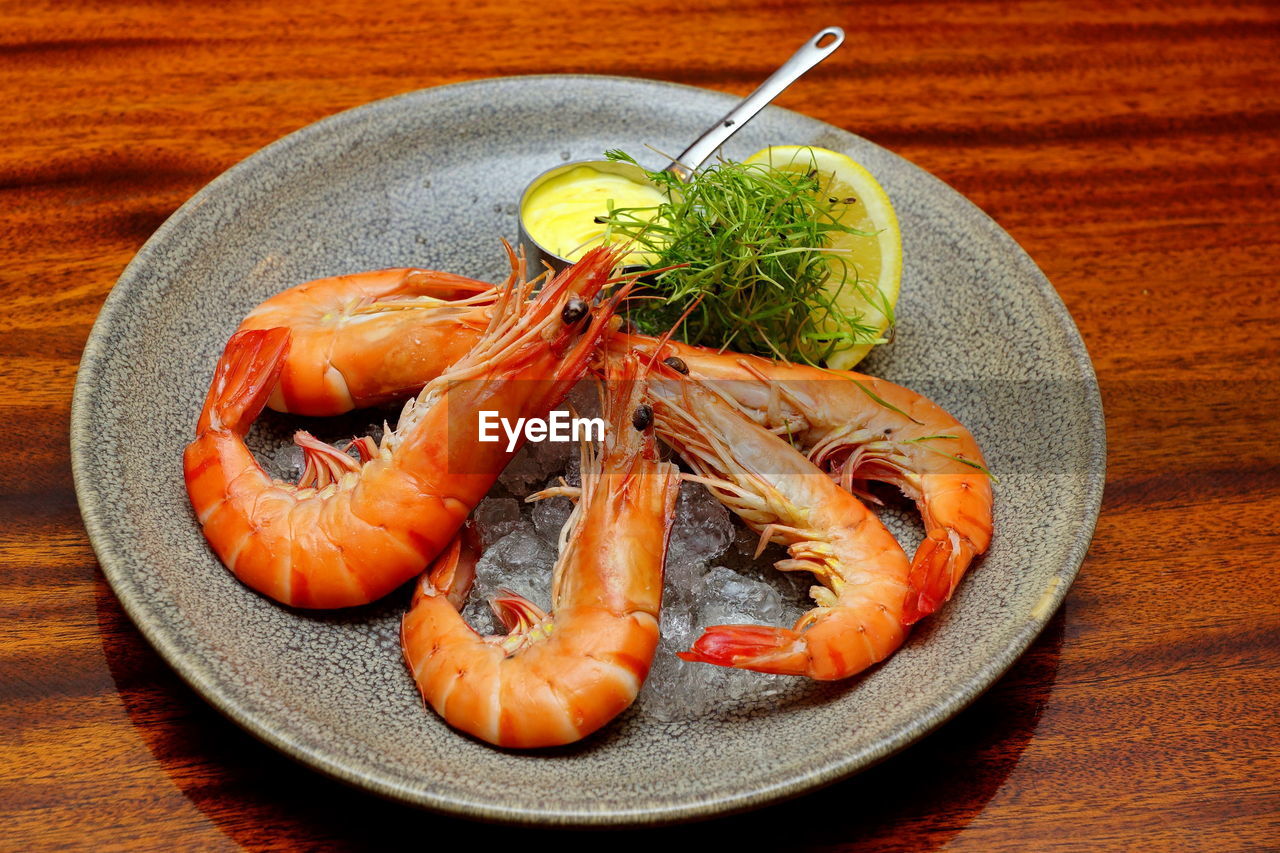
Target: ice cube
{"points": [[793, 591], [676, 689], [681, 580], [678, 630], [745, 542], [728, 598], [793, 587], [535, 463], [550, 514], [521, 562], [702, 530], [479, 615], [495, 518], [682, 690]]}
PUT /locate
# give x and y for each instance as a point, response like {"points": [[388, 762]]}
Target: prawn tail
{"points": [[761, 648], [516, 613], [932, 577], [244, 379], [453, 572]]}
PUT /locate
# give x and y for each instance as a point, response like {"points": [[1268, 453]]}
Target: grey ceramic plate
{"points": [[430, 179]]}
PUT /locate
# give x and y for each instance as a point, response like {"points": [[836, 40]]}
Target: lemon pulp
{"points": [[866, 271]]}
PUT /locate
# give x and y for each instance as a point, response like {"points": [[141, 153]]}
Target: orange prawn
{"points": [[860, 428], [350, 532], [370, 338], [861, 569], [556, 677]]}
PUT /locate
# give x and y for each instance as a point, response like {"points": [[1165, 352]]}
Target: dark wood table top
{"points": [[1132, 148]]}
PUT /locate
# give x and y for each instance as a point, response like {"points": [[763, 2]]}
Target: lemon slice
{"points": [[866, 271]]}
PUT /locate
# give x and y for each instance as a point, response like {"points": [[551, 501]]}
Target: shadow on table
{"points": [[918, 799]]}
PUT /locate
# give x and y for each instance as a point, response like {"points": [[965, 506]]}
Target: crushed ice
{"points": [[711, 577], [520, 561]]}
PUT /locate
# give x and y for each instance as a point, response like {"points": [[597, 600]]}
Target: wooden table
{"points": [[1131, 148]]}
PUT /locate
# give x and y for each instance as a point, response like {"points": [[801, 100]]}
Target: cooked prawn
{"points": [[556, 677], [860, 428], [861, 569], [351, 532], [370, 338]]}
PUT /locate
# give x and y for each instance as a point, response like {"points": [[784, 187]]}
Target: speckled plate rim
{"points": [[189, 666]]}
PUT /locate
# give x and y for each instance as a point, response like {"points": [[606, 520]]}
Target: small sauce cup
{"points": [[538, 255], [816, 49]]}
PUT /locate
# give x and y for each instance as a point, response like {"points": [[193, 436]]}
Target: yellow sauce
{"points": [[560, 214]]}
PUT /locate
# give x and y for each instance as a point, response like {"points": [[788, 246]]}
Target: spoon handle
{"points": [[810, 54]]}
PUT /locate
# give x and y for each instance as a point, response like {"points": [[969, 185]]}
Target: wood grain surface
{"points": [[1132, 148]]}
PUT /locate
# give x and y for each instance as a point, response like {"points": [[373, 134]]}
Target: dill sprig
{"points": [[751, 241]]}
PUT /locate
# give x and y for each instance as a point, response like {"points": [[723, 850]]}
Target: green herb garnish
{"points": [[750, 241]]}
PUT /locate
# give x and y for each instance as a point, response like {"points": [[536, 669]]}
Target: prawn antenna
{"points": [[665, 338]]}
